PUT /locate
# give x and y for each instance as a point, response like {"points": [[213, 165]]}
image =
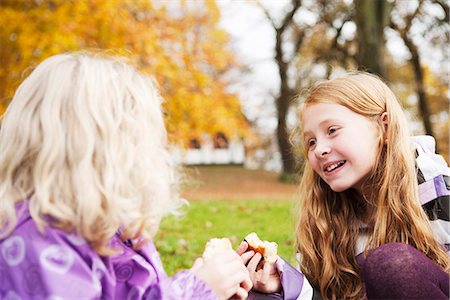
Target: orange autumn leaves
{"points": [[178, 42]]}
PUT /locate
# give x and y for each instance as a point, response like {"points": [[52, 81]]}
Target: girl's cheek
{"points": [[314, 165], [312, 160]]}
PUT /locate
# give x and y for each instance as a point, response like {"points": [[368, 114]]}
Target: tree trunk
{"points": [[283, 104], [284, 144], [286, 94], [371, 18]]}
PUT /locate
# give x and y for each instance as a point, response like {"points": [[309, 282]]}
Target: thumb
{"points": [[198, 263], [242, 248]]}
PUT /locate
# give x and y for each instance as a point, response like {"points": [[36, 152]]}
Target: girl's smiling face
{"points": [[342, 145]]}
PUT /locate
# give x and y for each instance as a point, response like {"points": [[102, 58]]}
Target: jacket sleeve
{"points": [[183, 285], [36, 266], [294, 284], [433, 176]]}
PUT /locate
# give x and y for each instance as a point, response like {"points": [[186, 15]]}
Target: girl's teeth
{"points": [[333, 166]]}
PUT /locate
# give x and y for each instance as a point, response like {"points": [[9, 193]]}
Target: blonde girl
{"points": [[85, 179]]}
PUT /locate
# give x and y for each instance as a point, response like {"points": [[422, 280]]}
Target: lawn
{"points": [[181, 240], [227, 201]]}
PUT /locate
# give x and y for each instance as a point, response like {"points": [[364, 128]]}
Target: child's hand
{"points": [[265, 280], [225, 274]]}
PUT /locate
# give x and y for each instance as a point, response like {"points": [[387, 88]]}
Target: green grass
{"points": [[181, 240]]}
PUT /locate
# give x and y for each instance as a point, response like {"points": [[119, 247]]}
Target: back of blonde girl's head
{"points": [[398, 216], [84, 141]]}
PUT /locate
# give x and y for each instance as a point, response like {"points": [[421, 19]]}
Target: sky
{"points": [[252, 40]]}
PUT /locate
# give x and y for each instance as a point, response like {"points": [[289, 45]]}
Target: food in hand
{"points": [[267, 249], [215, 246]]}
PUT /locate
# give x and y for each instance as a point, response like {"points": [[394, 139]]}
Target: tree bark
{"points": [[371, 18], [283, 103], [286, 94]]}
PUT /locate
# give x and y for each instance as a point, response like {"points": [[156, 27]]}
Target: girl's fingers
{"points": [[251, 267], [241, 294], [242, 248], [227, 256], [247, 284], [234, 268], [247, 256], [236, 284], [197, 264], [266, 272]]}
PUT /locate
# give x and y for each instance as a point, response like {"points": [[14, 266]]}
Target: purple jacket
{"points": [[57, 265]]}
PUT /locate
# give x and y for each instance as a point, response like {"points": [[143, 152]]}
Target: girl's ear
{"points": [[384, 121]]}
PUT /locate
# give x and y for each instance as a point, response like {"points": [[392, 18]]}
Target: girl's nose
{"points": [[322, 149]]}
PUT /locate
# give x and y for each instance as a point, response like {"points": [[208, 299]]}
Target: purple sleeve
{"points": [[36, 266], [293, 282], [183, 285]]}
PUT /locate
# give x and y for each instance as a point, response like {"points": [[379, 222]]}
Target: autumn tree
{"points": [[304, 49], [177, 42], [326, 45]]}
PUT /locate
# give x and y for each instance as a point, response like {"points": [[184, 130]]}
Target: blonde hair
{"points": [[84, 141], [328, 225]]}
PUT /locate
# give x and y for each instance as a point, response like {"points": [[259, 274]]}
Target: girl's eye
{"points": [[311, 143], [332, 130]]}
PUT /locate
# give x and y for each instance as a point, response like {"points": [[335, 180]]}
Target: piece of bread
{"points": [[267, 249], [216, 245]]}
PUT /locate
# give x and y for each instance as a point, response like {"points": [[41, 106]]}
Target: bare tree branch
{"points": [[267, 14], [410, 17], [445, 7], [289, 17], [417, 66]]}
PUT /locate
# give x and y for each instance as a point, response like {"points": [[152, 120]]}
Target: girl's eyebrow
{"points": [[326, 121], [306, 136], [329, 120]]}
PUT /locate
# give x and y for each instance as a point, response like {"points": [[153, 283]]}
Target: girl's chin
{"points": [[339, 188]]}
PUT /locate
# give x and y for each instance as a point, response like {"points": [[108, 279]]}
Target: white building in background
{"points": [[219, 151], [212, 151]]}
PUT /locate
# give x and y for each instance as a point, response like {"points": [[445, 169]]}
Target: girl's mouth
{"points": [[331, 167]]}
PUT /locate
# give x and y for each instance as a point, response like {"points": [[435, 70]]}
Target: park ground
{"points": [[234, 182]]}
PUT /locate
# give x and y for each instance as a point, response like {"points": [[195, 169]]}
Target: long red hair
{"points": [[329, 222]]}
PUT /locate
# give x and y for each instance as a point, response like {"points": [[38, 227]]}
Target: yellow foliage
{"points": [[179, 43], [403, 83]]}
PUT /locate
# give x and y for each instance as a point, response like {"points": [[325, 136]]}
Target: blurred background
{"points": [[230, 71]]}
